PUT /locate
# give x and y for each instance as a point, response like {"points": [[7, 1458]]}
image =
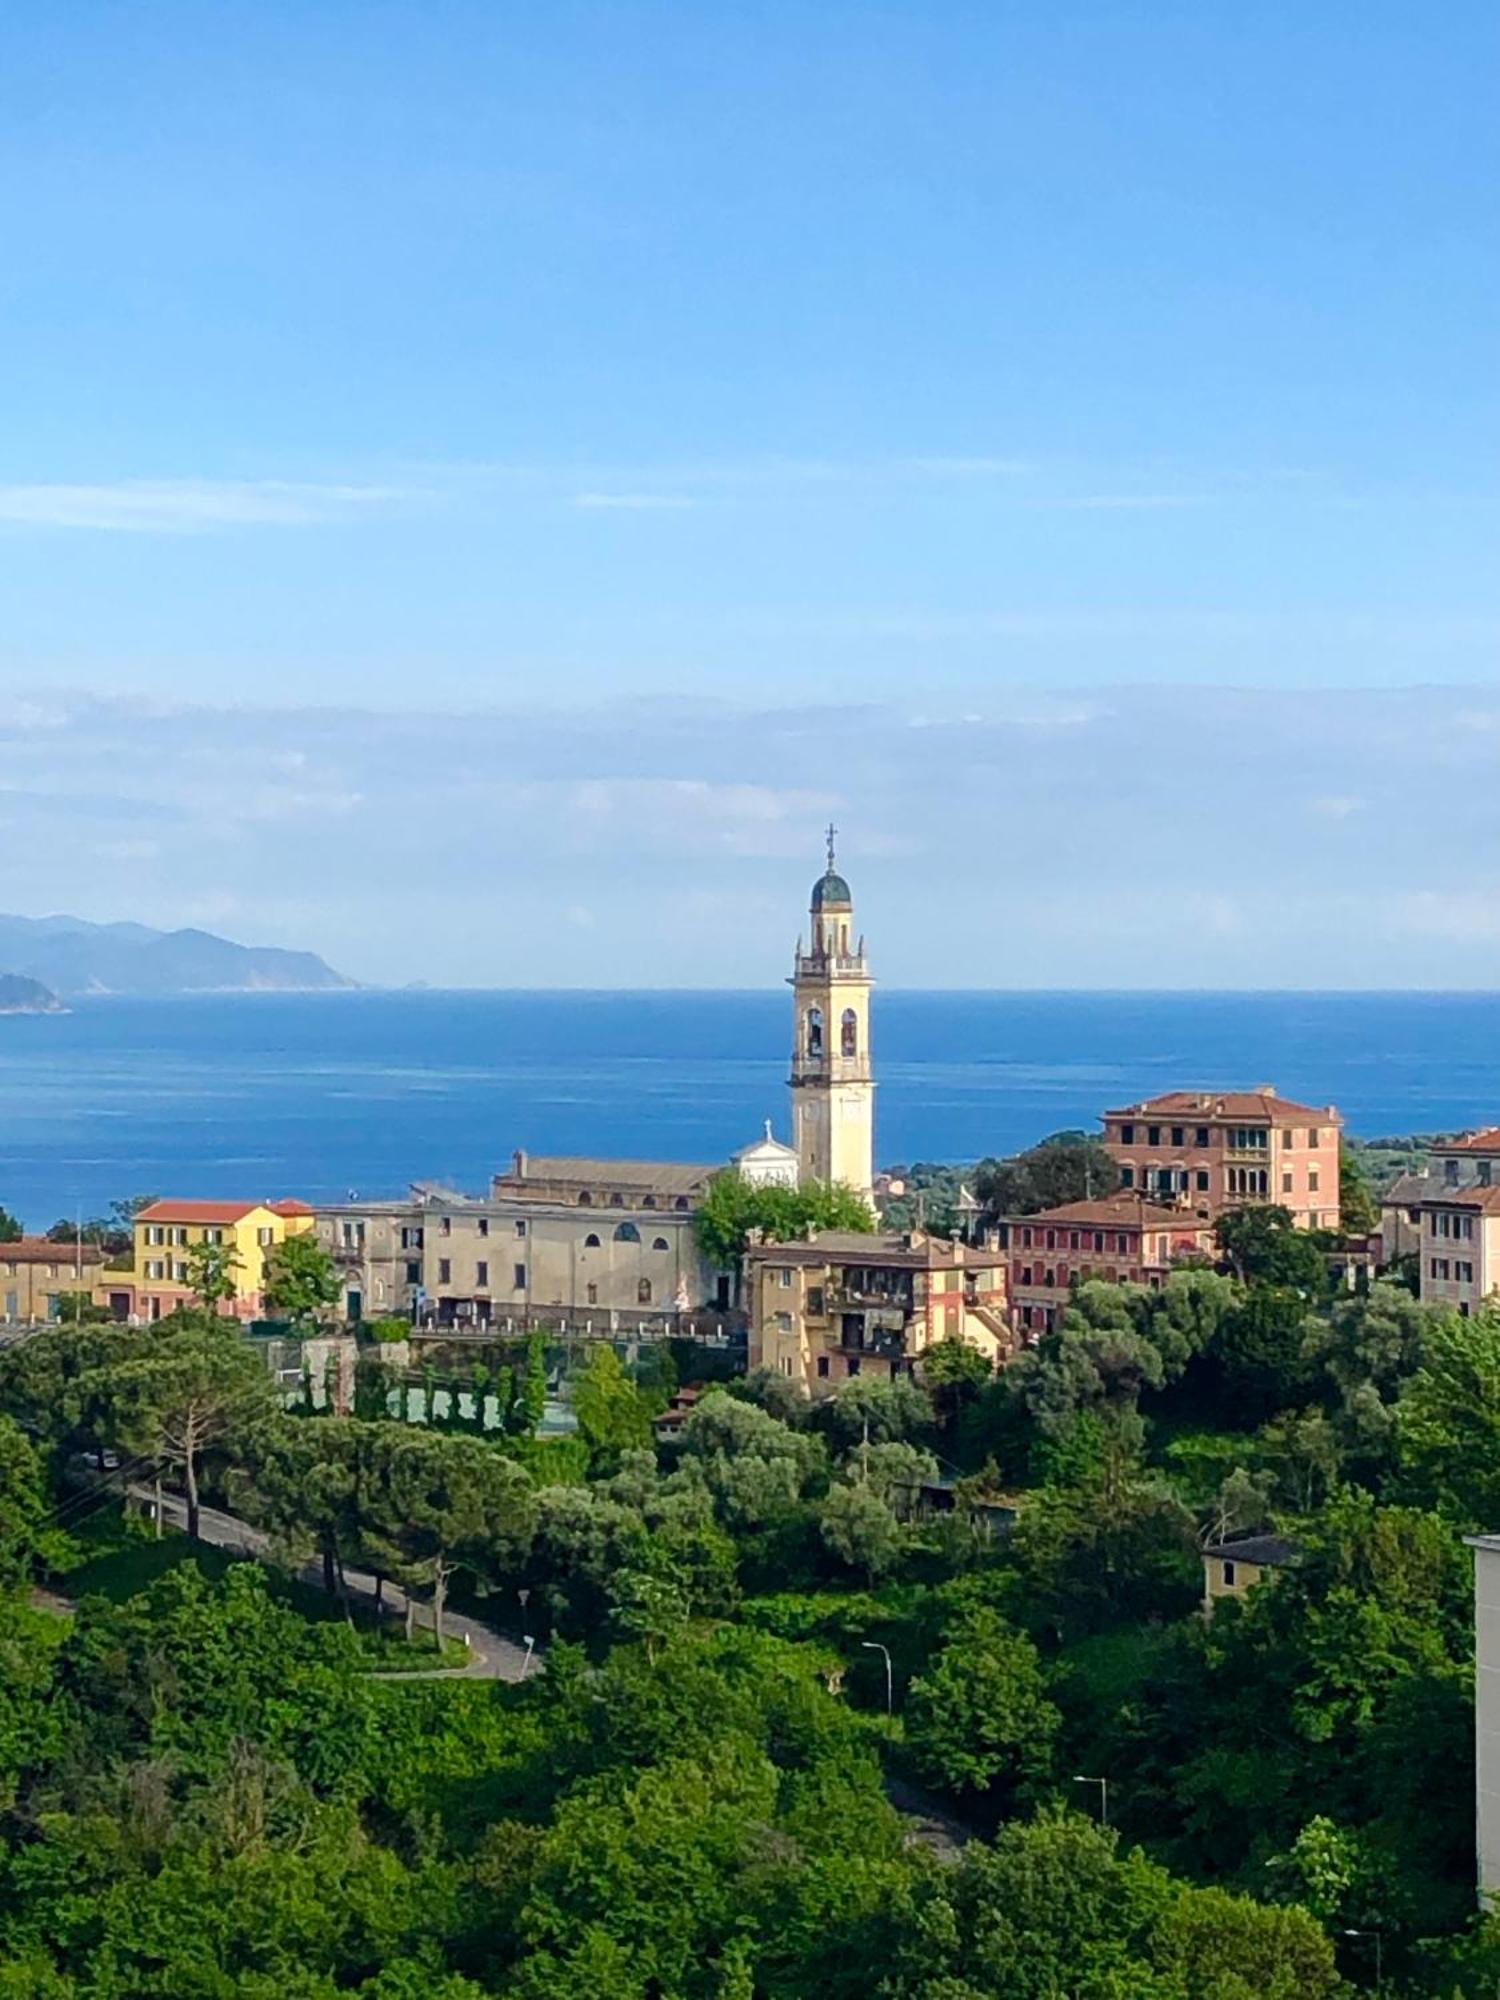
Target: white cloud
{"points": [[1037, 835], [190, 506]]}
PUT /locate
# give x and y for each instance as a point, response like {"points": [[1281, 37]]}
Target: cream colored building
{"points": [[1232, 1568], [36, 1274], [601, 1243], [832, 1081], [843, 1304], [1459, 1249]]}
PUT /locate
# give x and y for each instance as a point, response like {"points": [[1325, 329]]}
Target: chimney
{"points": [[518, 1163]]}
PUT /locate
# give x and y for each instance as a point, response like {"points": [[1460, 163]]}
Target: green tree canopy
{"points": [[978, 1717], [1068, 1166], [1265, 1247], [733, 1207], [1359, 1212], [301, 1281]]}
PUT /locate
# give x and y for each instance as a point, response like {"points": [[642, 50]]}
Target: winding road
{"points": [[493, 1657]]}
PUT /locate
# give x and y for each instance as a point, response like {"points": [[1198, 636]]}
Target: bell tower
{"points": [[833, 1089]]}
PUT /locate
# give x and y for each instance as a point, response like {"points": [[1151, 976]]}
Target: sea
{"points": [[329, 1095]]}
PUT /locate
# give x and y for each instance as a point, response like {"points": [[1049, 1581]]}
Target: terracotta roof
{"points": [[577, 1171], [199, 1211], [1486, 1140], [1485, 1199], [1262, 1103], [1111, 1210], [42, 1250], [291, 1206]]}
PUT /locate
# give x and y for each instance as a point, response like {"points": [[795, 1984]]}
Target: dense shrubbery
{"points": [[205, 1793]]}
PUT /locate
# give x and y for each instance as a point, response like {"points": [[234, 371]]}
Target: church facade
{"points": [[610, 1245]]}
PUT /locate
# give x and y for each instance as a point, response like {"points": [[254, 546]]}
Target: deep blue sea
{"points": [[315, 1095]]}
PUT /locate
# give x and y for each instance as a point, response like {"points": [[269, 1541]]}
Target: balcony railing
{"points": [[888, 1346], [844, 964]]}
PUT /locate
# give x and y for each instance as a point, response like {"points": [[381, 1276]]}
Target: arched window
{"points": [[643, 1292], [649, 1201], [627, 1233], [849, 1033], [591, 1242], [661, 1243], [617, 1201], [593, 1295], [681, 1202], [814, 1032], [585, 1200]]}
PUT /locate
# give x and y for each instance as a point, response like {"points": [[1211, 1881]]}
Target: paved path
{"points": [[931, 1825], [493, 1657]]}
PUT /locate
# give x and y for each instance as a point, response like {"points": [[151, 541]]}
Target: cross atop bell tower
{"points": [[833, 1086]]}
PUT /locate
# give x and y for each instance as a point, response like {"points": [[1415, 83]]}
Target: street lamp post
{"points": [[1103, 1784], [530, 1649], [1375, 1937], [874, 1646]]}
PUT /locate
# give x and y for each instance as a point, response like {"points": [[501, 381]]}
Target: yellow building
{"points": [[843, 1304], [1232, 1568], [833, 1088], [159, 1278]]}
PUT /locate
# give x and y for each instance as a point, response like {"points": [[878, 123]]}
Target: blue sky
{"points": [[518, 375]]}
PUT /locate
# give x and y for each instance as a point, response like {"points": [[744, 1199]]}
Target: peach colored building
{"points": [[1212, 1150], [844, 1304], [1123, 1238]]}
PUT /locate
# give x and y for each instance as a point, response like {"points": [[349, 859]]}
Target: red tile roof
{"points": [[291, 1206], [1132, 1211], [198, 1211], [1211, 1104], [1487, 1199], [42, 1250], [1486, 1140]]}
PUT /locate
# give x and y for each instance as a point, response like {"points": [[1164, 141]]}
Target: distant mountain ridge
{"points": [[74, 957]]}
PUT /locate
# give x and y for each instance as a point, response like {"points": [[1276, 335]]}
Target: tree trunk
{"points": [[379, 1593], [156, 1507], [328, 1568], [411, 1618], [441, 1571], [190, 1480]]}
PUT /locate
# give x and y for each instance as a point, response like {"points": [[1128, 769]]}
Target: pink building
{"points": [[1122, 1238], [1212, 1150]]}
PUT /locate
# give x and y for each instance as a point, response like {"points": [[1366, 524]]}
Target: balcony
{"points": [[888, 1345], [834, 964], [869, 1296]]}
